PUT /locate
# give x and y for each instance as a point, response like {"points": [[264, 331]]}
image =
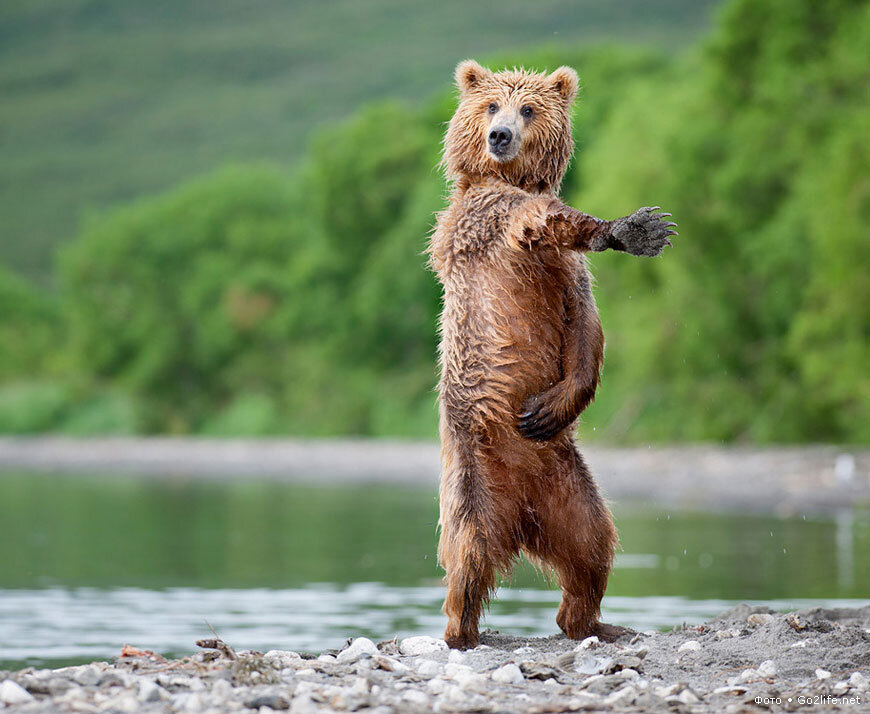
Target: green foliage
{"points": [[104, 102], [755, 325], [254, 301], [29, 328]]}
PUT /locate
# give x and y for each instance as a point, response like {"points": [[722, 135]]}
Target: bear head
{"points": [[514, 125]]}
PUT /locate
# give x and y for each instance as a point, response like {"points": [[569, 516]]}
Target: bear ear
{"points": [[469, 74], [565, 81]]}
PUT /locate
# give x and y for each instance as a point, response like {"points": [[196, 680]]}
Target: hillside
{"points": [[106, 101]]}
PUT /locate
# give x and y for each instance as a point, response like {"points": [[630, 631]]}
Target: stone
{"points": [[822, 674], [149, 691], [415, 646], [428, 668], [456, 657], [508, 674], [359, 648], [760, 618], [88, 675], [13, 693], [621, 697], [690, 646], [859, 681], [767, 668], [687, 696], [281, 659], [272, 700], [590, 643], [222, 690], [388, 664], [589, 664], [437, 685], [415, 696]]}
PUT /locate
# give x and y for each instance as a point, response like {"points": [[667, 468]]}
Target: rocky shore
{"points": [[748, 659]]}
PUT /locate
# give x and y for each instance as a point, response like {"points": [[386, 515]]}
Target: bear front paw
{"points": [[540, 418], [644, 232]]}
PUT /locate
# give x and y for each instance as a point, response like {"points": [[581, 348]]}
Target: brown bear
{"points": [[521, 349]]}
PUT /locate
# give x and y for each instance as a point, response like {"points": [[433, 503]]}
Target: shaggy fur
{"points": [[521, 350]]}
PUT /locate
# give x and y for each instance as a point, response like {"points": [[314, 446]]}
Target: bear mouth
{"points": [[504, 154]]}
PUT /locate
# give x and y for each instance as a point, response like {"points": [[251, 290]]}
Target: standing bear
{"points": [[521, 349]]}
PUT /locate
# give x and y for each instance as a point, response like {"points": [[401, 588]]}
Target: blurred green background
{"points": [[213, 213]]}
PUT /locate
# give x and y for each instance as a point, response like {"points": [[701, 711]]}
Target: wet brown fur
{"points": [[520, 339]]}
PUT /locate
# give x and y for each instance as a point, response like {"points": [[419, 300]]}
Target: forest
{"points": [[274, 298]]}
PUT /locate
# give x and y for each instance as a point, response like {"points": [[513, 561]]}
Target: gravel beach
{"points": [[747, 659]]}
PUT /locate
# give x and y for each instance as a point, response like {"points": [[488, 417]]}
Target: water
{"points": [[89, 564]]}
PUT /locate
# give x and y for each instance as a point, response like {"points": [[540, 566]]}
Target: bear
{"points": [[521, 350]]}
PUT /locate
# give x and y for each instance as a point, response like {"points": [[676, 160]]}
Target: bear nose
{"points": [[500, 137]]}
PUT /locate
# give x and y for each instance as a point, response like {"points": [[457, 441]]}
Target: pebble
{"points": [[421, 645], [508, 674], [281, 659], [767, 669], [150, 691], [359, 648], [436, 686], [822, 674], [456, 657], [590, 643], [859, 682], [272, 700], [621, 697], [415, 696], [690, 646], [428, 668], [760, 618], [13, 693]]}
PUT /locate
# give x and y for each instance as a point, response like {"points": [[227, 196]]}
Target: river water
{"points": [[88, 564]]}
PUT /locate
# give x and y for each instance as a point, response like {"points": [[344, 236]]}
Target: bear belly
{"points": [[501, 343]]}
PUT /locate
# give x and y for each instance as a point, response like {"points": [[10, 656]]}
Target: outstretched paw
{"points": [[644, 232], [541, 418]]}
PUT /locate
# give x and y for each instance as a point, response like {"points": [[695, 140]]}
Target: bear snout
{"points": [[501, 142]]}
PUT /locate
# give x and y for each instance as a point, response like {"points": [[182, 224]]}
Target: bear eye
{"points": [[527, 112], [493, 107]]}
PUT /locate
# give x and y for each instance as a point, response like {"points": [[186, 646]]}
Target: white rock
{"points": [[13, 693], [222, 689], [524, 650], [281, 659], [359, 648], [822, 674], [690, 646], [509, 674], [415, 696], [729, 689], [307, 672], [150, 691], [590, 643], [760, 618], [303, 705], [551, 682], [428, 668], [456, 657], [470, 680], [360, 686], [326, 658], [859, 681], [726, 634], [421, 645], [767, 668], [748, 675], [840, 688], [621, 697], [589, 664], [670, 690], [687, 696], [452, 670], [437, 685]]}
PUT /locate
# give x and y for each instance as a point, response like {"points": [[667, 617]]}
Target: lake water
{"points": [[88, 564]]}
